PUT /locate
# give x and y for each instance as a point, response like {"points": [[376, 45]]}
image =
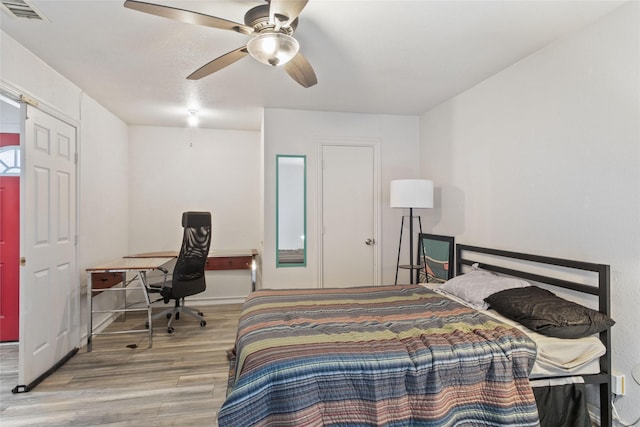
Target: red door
{"points": [[9, 241]]}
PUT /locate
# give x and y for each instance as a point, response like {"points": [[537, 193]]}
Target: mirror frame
{"points": [[280, 263]]}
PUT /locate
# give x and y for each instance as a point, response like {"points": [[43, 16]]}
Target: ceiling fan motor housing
{"points": [[258, 18]]}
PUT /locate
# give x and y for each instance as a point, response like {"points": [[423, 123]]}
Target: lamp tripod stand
{"points": [[411, 266]]}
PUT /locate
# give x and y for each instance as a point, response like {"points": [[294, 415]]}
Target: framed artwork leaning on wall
{"points": [[436, 258]]}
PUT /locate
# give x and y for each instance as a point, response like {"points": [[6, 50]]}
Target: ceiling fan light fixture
{"points": [[193, 119], [273, 48]]}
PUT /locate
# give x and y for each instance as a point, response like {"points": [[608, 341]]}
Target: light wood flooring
{"points": [[181, 381]]}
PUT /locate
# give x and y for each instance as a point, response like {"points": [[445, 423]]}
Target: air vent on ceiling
{"points": [[21, 9]]}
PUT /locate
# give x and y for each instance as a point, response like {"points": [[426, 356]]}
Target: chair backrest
{"points": [[188, 273]]}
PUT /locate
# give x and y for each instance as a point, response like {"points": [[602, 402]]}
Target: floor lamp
{"points": [[412, 194]]}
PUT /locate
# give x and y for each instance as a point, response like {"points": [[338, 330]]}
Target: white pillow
{"points": [[474, 286]]}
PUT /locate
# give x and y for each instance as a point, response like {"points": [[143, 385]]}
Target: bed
{"points": [[382, 356]]}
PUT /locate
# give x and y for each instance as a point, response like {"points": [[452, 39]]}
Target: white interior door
{"points": [[49, 291], [348, 215]]}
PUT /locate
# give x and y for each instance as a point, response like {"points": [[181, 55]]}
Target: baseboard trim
{"points": [[214, 301]]}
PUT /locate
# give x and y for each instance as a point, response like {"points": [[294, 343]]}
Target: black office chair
{"points": [[188, 274]]}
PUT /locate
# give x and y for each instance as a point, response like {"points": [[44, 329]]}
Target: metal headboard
{"points": [[467, 255]]}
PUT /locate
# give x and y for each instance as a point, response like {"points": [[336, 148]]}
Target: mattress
{"points": [[561, 357], [556, 357]]}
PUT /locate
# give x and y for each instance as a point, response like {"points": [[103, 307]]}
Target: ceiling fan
{"points": [[271, 27]]}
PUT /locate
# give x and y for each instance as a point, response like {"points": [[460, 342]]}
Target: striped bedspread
{"points": [[376, 356]]}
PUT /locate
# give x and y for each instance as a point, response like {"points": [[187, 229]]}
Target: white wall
{"points": [[27, 74], [103, 196], [544, 157], [104, 185], [297, 132], [180, 169]]}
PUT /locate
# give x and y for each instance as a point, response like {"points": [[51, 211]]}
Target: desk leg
{"points": [[89, 312], [124, 285], [254, 267], [142, 276]]}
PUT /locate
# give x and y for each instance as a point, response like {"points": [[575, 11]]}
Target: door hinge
{"points": [[75, 240], [28, 100], [75, 158], [23, 261]]}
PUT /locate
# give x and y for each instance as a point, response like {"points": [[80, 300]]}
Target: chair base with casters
{"points": [[174, 314]]}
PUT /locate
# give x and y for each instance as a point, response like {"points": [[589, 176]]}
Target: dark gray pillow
{"points": [[544, 312]]}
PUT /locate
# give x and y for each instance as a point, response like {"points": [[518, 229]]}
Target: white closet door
{"points": [[349, 198]]}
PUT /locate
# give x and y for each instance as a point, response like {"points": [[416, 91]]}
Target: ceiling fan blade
{"points": [[301, 71], [289, 8], [187, 16], [219, 63]]}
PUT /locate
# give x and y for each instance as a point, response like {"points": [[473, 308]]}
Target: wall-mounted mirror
{"points": [[291, 211]]}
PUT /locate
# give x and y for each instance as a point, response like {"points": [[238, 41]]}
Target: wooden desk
{"points": [[219, 259], [236, 259], [122, 266]]}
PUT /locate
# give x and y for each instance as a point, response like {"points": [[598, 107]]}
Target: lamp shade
{"points": [[273, 48], [411, 193]]}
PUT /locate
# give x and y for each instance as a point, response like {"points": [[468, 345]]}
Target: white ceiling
{"points": [[370, 56]]}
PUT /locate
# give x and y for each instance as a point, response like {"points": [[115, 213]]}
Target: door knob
{"points": [[370, 242]]}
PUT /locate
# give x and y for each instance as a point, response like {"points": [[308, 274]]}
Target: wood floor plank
{"points": [[181, 380]]}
